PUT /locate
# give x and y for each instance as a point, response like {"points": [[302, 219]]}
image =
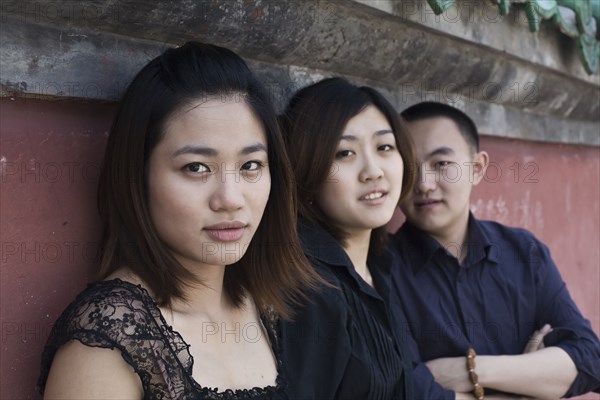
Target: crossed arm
{"points": [[570, 364], [545, 373], [548, 374]]}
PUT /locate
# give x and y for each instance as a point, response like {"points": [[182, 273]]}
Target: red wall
{"points": [[50, 154], [554, 191]]}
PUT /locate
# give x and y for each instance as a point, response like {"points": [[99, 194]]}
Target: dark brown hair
{"points": [[274, 270], [313, 122]]}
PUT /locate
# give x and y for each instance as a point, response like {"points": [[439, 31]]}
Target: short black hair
{"points": [[432, 109]]}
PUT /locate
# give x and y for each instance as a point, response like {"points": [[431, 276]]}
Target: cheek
{"points": [[175, 205], [394, 172], [338, 191], [169, 213], [158, 198], [330, 195], [455, 175], [166, 194], [459, 192], [258, 192], [397, 172]]}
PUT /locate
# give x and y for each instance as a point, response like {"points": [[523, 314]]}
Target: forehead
{"points": [[369, 120], [432, 133], [215, 121]]}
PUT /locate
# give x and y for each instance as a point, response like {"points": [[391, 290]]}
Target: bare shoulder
{"points": [[84, 372]]}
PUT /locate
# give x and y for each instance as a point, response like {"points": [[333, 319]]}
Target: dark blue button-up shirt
{"points": [[506, 288]]}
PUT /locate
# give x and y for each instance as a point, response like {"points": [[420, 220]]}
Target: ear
{"points": [[481, 160]]}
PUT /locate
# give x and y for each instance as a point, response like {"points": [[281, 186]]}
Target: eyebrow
{"points": [[253, 149], [353, 138], [441, 151], [210, 152]]}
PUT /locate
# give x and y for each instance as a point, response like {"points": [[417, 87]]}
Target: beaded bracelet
{"points": [[477, 388]]}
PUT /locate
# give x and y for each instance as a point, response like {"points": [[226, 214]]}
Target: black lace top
{"points": [[116, 314]]}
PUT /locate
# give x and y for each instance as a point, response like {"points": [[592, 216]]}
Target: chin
{"points": [[424, 226], [225, 253], [374, 224], [386, 218], [223, 260]]}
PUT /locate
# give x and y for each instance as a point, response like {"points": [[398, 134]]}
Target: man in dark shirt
{"points": [[463, 283]]}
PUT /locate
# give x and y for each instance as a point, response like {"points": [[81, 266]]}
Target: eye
{"points": [[196, 168], [344, 154], [442, 164], [253, 165], [386, 147]]}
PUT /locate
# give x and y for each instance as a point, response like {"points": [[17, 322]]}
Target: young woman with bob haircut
{"points": [[350, 155], [195, 185]]}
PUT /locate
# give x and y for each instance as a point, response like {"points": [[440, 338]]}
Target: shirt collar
{"points": [[380, 267], [423, 247], [479, 244], [416, 245], [321, 245]]}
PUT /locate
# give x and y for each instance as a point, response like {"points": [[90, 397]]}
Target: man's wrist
{"points": [[463, 396], [478, 391], [489, 369]]}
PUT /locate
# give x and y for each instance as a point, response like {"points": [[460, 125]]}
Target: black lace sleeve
{"points": [[119, 315]]}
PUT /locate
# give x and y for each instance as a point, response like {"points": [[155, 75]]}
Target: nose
{"points": [[371, 170], [227, 195], [426, 179]]}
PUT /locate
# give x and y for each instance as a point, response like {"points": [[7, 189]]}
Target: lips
{"points": [[226, 231], [374, 197], [426, 203]]}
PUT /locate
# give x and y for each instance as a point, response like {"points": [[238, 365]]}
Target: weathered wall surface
{"points": [[512, 82], [63, 64]]}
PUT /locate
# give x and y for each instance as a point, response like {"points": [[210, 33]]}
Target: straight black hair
{"points": [[271, 273]]}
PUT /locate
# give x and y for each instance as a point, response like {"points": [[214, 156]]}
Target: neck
{"points": [[357, 248], [455, 238], [206, 297]]}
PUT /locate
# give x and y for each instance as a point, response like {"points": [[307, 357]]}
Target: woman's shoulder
{"points": [[111, 314], [327, 301], [114, 287], [108, 314], [82, 371], [105, 303]]}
